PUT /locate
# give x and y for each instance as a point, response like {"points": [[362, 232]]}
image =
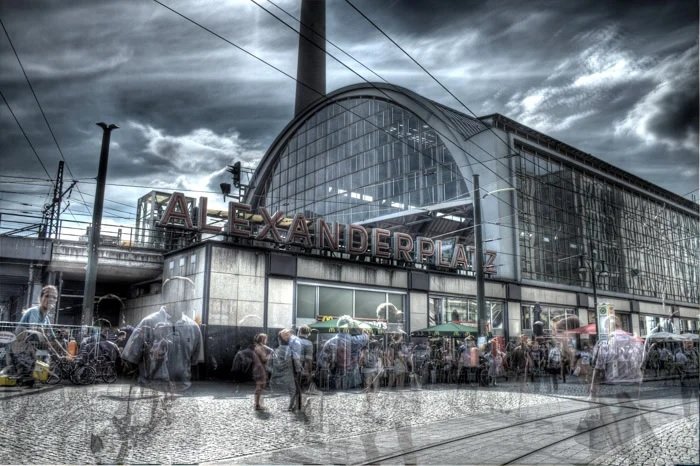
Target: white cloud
{"points": [[584, 85], [197, 158]]}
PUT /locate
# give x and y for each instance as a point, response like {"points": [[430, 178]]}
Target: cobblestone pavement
{"points": [[215, 422]]}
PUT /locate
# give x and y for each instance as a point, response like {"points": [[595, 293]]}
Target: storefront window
{"points": [[366, 303], [549, 316], [650, 324], [329, 301], [334, 301], [464, 311], [306, 301]]}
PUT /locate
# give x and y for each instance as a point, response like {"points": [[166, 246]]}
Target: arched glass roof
{"points": [[361, 158]]}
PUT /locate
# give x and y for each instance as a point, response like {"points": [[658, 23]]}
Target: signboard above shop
{"points": [[352, 239]]}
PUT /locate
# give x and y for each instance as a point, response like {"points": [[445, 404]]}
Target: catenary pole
{"points": [[94, 237], [479, 260]]}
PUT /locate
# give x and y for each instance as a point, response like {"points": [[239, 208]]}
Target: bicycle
{"points": [[75, 370], [106, 370]]}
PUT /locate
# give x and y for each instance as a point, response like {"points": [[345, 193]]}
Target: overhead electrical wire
{"points": [[19, 125], [41, 109]]}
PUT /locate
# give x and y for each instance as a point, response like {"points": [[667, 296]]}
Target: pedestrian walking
{"points": [[495, 359], [306, 357], [522, 360], [554, 363], [287, 367]]}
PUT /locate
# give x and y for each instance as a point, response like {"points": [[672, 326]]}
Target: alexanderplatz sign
{"points": [[349, 238]]}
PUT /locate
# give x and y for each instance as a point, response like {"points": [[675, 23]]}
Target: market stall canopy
{"points": [[450, 329]]}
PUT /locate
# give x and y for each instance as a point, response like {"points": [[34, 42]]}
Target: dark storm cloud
{"points": [[677, 115]]}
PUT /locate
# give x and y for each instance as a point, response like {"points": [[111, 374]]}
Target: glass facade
{"points": [[362, 158], [571, 220]]}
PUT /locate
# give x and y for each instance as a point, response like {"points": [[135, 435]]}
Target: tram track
{"points": [[640, 410]]}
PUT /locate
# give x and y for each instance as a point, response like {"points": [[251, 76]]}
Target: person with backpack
{"points": [[554, 363]]}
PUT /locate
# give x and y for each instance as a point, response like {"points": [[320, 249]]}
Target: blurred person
{"points": [[40, 315], [421, 362], [165, 345], [121, 340], [293, 353], [583, 364], [260, 353], [495, 358], [340, 355], [371, 365], [307, 356], [665, 359], [617, 371], [554, 363], [286, 366], [689, 383], [522, 360], [398, 357], [468, 360]]}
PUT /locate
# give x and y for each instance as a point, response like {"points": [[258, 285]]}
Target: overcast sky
{"points": [[618, 80]]}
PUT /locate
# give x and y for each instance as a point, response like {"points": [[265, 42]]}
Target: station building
{"points": [[367, 196]]}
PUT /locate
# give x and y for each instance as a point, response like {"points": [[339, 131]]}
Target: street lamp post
{"points": [[594, 275], [94, 238]]}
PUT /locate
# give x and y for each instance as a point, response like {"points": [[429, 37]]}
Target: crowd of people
{"points": [[166, 345], [353, 357]]}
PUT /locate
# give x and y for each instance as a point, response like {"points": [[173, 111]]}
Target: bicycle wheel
{"points": [[84, 375], [109, 373], [485, 378]]}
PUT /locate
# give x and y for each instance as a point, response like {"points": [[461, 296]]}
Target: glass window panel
{"points": [[366, 303], [334, 301], [306, 301]]}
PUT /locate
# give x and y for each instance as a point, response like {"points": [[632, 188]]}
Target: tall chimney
{"points": [[311, 62]]}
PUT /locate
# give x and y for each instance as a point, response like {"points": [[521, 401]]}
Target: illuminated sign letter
{"points": [[351, 245], [380, 243], [202, 220], [459, 257], [177, 210], [299, 229], [439, 257], [425, 249], [403, 247], [270, 225], [325, 238], [238, 226], [489, 265]]}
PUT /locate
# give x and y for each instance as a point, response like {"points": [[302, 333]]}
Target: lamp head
{"points": [[581, 265]]}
